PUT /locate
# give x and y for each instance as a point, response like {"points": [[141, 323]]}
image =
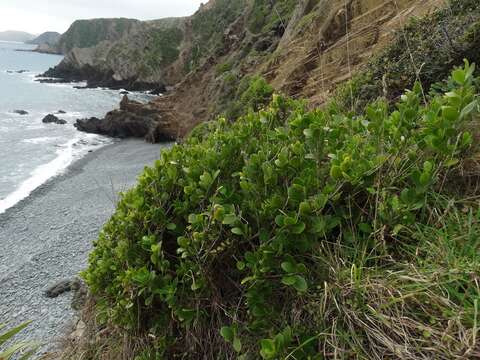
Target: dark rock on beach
{"points": [[133, 119], [59, 288], [79, 288], [67, 73], [16, 71], [159, 90], [55, 80], [20, 112], [52, 119]]}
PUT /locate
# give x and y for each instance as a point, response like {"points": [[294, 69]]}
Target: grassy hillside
{"points": [[89, 33], [47, 38]]}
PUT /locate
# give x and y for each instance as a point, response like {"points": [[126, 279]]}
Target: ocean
{"points": [[32, 152]]}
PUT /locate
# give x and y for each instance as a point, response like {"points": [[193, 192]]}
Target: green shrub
{"points": [[163, 47], [295, 234], [268, 15], [252, 93]]}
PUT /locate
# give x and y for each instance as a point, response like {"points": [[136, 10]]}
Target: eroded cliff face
{"points": [[125, 53], [152, 54], [304, 48], [317, 46], [328, 43]]}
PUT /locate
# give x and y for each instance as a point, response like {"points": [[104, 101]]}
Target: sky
{"points": [[37, 16]]}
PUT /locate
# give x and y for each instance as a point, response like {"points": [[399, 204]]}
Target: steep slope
{"points": [[277, 231], [48, 38], [17, 36], [157, 55], [138, 59], [303, 48], [89, 33], [84, 34]]}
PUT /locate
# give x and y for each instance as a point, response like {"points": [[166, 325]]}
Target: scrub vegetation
{"points": [[296, 234], [277, 231]]}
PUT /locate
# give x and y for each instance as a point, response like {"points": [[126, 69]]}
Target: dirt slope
{"points": [[322, 46]]}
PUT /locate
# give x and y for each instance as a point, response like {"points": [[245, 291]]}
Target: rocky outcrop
{"points": [[20, 112], [47, 49], [52, 119], [16, 71], [132, 119]]}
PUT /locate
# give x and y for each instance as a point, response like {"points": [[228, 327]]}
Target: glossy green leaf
{"points": [[237, 345], [227, 333], [237, 231], [288, 267]]}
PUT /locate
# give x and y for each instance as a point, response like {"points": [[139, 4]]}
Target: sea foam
{"points": [[66, 155]]}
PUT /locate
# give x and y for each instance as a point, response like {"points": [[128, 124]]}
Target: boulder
{"points": [[59, 288], [20, 112], [158, 90], [132, 119], [76, 285], [52, 119]]}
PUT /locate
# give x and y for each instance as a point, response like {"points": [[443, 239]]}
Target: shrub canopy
{"points": [[297, 234]]}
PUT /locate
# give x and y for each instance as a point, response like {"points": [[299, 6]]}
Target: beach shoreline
{"points": [[46, 237]]}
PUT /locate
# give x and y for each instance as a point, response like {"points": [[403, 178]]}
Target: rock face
{"points": [[139, 59], [50, 118], [133, 119]]}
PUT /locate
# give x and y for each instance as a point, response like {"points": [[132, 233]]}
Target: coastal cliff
{"points": [[304, 49], [49, 38], [135, 57]]}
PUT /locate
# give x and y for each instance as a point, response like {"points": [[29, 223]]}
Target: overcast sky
{"points": [[37, 16]]}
